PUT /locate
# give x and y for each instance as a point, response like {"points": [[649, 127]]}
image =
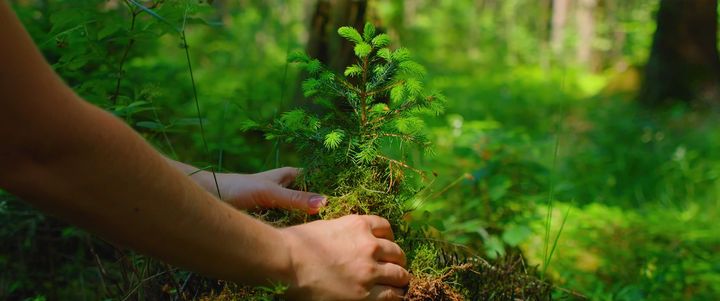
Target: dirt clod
{"points": [[431, 289]]}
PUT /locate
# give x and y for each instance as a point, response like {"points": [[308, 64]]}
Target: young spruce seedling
{"points": [[356, 150]]}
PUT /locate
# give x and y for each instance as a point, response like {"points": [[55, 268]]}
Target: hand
{"points": [[267, 190], [349, 258]]}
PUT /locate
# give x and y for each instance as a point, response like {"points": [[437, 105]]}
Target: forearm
{"points": [[124, 191], [84, 165]]}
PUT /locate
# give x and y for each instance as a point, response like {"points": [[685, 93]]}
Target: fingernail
{"points": [[317, 201]]}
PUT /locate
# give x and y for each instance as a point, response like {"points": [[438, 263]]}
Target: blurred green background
{"points": [[542, 120]]}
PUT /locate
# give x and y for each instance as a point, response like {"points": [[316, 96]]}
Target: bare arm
{"points": [[80, 163]]}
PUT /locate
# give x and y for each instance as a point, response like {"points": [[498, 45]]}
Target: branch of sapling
{"points": [[363, 96], [403, 164], [386, 88]]}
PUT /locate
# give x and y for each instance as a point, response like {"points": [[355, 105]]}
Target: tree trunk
{"points": [[559, 19], [585, 16], [684, 63], [324, 43]]}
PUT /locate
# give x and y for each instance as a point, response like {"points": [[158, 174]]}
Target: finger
{"points": [[392, 274], [283, 176], [385, 293], [390, 252], [309, 202], [380, 227]]}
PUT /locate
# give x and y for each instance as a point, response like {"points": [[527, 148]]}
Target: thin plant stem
{"points": [[197, 108]]}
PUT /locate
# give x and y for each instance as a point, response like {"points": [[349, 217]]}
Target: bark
{"points": [[324, 43], [586, 30], [559, 20], [684, 63]]}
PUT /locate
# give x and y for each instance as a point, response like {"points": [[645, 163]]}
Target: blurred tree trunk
{"points": [[544, 25], [324, 43], [684, 63], [585, 16], [559, 19]]}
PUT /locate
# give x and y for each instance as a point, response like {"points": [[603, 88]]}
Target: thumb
{"points": [[309, 202]]}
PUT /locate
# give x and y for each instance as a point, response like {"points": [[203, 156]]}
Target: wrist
{"points": [[284, 270]]}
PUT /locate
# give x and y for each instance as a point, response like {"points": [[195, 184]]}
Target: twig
{"points": [[130, 44], [420, 172]]}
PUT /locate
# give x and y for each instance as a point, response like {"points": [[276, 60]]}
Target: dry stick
{"points": [[174, 282], [452, 184], [420, 172], [137, 286], [101, 268], [455, 268]]}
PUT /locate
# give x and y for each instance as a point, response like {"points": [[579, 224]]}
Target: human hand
{"points": [[268, 190], [349, 258]]}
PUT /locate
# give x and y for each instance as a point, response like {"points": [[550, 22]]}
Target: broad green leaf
{"points": [[514, 235], [108, 29], [149, 125], [498, 187], [494, 247]]}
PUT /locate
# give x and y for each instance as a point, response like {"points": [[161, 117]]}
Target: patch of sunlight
{"points": [[591, 84]]}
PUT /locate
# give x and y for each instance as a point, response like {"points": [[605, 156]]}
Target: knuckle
{"points": [[371, 247], [296, 197], [404, 276], [288, 171], [358, 221], [366, 273]]}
